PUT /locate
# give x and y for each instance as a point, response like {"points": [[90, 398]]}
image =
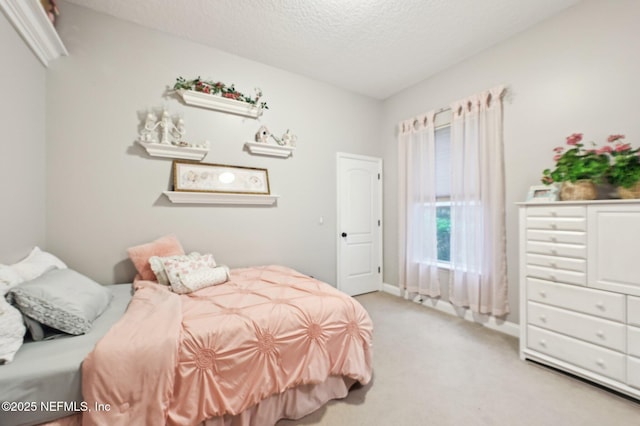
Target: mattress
{"points": [[50, 371]]}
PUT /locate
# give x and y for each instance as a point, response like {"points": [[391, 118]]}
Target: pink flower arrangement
{"points": [[575, 162], [618, 163]]}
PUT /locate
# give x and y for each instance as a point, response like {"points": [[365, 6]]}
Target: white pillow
{"points": [[12, 331], [157, 265], [35, 264]]}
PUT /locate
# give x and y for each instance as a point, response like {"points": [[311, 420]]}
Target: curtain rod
{"points": [[505, 91], [441, 110]]}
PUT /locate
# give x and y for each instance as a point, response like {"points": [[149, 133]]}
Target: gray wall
{"points": [[22, 147], [106, 194], [576, 72]]}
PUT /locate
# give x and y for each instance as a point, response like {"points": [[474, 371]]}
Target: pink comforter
{"points": [[179, 360]]}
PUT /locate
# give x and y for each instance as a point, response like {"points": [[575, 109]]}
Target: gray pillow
{"points": [[62, 299]]}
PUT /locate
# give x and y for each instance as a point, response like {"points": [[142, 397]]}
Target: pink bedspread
{"points": [[179, 360]]}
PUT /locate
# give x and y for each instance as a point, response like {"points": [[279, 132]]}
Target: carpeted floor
{"points": [[434, 369]]}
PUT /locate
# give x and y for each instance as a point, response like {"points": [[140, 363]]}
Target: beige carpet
{"points": [[435, 369]]}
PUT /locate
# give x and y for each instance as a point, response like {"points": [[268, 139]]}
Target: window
{"points": [[443, 191]]}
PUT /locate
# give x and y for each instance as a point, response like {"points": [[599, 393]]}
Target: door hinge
{"points": [[378, 222], [378, 269], [378, 176]]}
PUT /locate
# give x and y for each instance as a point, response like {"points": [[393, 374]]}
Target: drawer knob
{"points": [[600, 334], [554, 239], [552, 277], [600, 362], [543, 318], [543, 343], [554, 251], [554, 265], [554, 226], [554, 213], [600, 305], [543, 293]]}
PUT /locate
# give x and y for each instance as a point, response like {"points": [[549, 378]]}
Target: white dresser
{"points": [[580, 289]]}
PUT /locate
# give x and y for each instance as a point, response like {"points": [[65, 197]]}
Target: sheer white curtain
{"points": [[478, 235], [417, 206]]}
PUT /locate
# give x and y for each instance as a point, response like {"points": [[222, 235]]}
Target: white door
{"points": [[359, 224]]}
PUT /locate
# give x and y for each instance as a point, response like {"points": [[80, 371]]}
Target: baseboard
{"points": [[391, 289], [488, 321]]}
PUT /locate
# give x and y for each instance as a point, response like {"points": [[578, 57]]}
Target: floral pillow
{"points": [[157, 265], [177, 269]]}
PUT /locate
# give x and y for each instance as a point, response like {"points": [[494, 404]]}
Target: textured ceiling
{"points": [[372, 47]]}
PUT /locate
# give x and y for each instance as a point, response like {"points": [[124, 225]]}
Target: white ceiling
{"points": [[372, 47]]}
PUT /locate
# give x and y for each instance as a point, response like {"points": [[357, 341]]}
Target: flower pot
{"points": [[583, 189], [633, 192]]}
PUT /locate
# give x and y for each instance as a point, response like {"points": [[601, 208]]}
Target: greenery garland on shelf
{"points": [[218, 88]]}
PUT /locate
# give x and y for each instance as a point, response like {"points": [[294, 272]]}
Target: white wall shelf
{"points": [[218, 103], [220, 198], [155, 149], [31, 21], [261, 148]]}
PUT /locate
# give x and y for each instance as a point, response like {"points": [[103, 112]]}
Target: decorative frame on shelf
{"points": [[542, 193], [190, 176], [218, 103]]}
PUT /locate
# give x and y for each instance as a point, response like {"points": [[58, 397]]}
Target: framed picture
{"points": [[542, 193], [190, 176]]}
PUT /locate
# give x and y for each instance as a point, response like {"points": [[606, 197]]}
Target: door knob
{"points": [[344, 234]]}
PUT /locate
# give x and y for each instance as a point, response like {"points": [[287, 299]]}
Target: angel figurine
{"points": [[179, 131], [146, 134], [166, 127], [288, 139]]}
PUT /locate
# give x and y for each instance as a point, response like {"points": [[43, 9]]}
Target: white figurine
{"points": [[146, 134], [288, 139], [179, 132], [166, 127]]}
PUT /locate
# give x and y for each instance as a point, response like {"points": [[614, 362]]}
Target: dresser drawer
{"points": [[555, 262], [555, 249], [564, 237], [592, 302], [557, 211], [633, 310], [557, 224], [557, 275], [595, 330], [591, 357], [633, 371], [633, 341]]}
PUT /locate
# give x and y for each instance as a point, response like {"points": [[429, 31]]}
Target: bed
{"points": [[269, 343]]}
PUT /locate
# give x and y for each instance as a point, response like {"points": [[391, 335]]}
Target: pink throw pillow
{"points": [[139, 255]]}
